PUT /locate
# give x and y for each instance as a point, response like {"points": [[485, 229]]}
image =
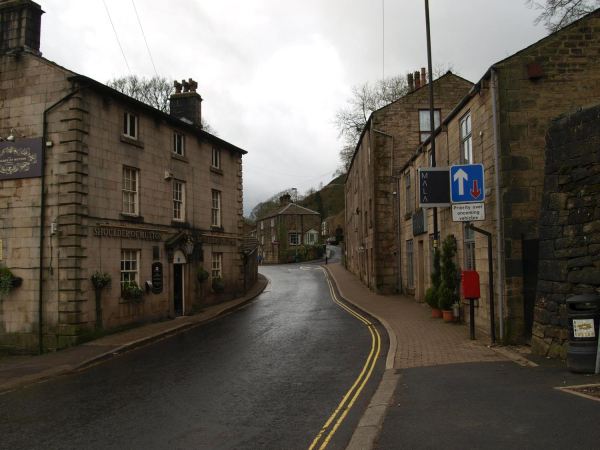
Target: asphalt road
{"points": [[269, 376]]}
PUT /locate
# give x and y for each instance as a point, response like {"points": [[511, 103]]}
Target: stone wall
{"points": [[569, 226]]}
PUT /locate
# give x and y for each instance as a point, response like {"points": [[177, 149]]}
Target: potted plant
{"points": [[218, 285], [101, 280], [431, 295], [456, 311], [201, 275], [132, 291], [8, 281], [447, 292]]}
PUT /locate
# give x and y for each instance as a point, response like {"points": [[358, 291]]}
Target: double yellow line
{"points": [[348, 400]]}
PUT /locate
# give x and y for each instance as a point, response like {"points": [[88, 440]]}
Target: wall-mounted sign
{"points": [[419, 222], [468, 212], [157, 278], [148, 235], [21, 159], [219, 240], [434, 187]]}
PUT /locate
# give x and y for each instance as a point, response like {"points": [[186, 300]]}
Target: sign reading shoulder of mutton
{"points": [[434, 190]]}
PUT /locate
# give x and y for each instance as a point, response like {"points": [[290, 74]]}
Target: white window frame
{"points": [[469, 249], [262, 240], [130, 191], [262, 224], [311, 237], [178, 201], [179, 144], [424, 118], [216, 158], [130, 266], [273, 238], [294, 237], [130, 131], [215, 208], [466, 140], [216, 265], [272, 223]]}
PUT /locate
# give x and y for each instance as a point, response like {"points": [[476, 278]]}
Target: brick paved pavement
{"points": [[421, 340]]}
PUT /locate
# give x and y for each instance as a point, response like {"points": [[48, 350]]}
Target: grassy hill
{"points": [[332, 196]]}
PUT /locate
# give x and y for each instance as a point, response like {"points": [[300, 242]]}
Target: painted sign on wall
{"points": [[21, 159]]}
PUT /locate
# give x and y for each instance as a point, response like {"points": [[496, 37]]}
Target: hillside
{"points": [[332, 197]]}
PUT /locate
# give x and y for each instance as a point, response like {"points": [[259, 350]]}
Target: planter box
{"points": [[17, 281]]}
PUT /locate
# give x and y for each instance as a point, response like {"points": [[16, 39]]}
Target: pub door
{"points": [[178, 288]]}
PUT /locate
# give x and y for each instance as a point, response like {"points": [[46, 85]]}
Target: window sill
{"points": [[135, 142], [130, 218], [130, 300], [184, 159], [213, 228], [215, 170], [178, 224]]}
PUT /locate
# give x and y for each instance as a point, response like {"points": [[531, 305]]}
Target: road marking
{"points": [[360, 382]]}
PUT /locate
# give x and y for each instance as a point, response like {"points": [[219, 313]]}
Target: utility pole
{"points": [[431, 116]]}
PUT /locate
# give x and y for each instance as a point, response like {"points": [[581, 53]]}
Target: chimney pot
{"points": [[20, 26], [423, 76], [411, 84], [417, 80], [285, 199], [186, 102]]}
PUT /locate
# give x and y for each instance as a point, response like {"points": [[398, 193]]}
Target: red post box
{"points": [[470, 284]]}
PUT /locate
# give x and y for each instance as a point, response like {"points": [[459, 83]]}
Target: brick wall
{"points": [[569, 259]]}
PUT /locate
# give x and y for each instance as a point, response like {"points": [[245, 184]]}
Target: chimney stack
{"points": [[186, 102], [285, 199], [20, 26], [417, 80], [423, 77], [411, 84]]}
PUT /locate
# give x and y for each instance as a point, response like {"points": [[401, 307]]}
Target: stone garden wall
{"points": [[569, 258]]}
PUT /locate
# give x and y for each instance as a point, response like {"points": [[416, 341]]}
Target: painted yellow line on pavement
{"points": [[360, 382]]}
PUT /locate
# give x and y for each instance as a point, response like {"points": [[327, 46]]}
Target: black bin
{"points": [[583, 315]]}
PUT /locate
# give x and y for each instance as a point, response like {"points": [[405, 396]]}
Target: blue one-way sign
{"points": [[466, 183]]}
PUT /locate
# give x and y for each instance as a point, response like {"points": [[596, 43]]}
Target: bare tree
{"points": [[557, 14], [365, 99], [155, 91]]}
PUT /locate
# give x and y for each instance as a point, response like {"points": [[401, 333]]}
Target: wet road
{"points": [[269, 376]]}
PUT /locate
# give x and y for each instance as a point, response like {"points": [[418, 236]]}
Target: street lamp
{"points": [[189, 246]]}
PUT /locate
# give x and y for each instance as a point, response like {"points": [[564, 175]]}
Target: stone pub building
{"points": [[93, 181]]}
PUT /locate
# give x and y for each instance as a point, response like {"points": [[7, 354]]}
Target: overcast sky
{"points": [[272, 73]]}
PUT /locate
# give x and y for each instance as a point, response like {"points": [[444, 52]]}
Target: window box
{"points": [[184, 159], [215, 170], [128, 140]]}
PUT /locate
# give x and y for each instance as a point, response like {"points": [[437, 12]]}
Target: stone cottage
{"points": [[284, 230]]}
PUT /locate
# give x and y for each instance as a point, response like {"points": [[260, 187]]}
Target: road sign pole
{"points": [[431, 115]]}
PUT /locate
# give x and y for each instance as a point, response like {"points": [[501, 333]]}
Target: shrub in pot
{"points": [[101, 280], [218, 285], [201, 275], [131, 290], [7, 280]]}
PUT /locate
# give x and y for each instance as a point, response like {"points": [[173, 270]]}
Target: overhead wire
{"points": [[144, 34], [255, 196], [117, 36]]}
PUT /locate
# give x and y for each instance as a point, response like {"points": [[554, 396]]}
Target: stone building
{"points": [[389, 139], [105, 183], [521, 93], [283, 230]]}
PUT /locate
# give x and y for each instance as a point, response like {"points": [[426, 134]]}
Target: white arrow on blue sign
{"points": [[466, 183]]}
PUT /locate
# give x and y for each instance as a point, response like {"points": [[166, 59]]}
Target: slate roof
{"points": [[291, 209]]}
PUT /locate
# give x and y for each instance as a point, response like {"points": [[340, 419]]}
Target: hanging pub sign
{"points": [[21, 159]]}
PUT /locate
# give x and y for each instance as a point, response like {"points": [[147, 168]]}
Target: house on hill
{"points": [[387, 142], [283, 230], [95, 183]]}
